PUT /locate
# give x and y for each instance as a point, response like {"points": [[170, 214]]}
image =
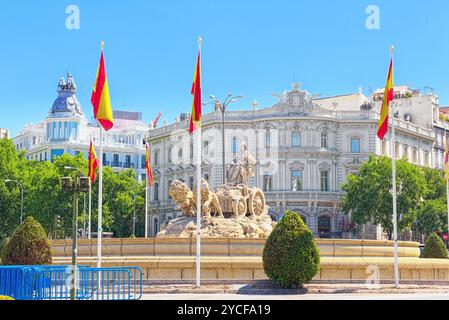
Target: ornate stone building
{"points": [[66, 130], [305, 148]]}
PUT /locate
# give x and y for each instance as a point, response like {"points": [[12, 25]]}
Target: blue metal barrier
{"points": [[54, 283]]}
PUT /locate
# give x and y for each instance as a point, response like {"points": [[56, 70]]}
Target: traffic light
{"points": [[57, 224]]}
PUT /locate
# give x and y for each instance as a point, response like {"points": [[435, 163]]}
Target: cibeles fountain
{"points": [[233, 210]]}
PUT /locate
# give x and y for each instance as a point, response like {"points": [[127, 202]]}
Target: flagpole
{"points": [[146, 208], [395, 214], [446, 177], [198, 196], [100, 193], [90, 210]]}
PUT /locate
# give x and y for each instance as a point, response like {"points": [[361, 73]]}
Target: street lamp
{"points": [[222, 106], [21, 197], [84, 198], [80, 184]]}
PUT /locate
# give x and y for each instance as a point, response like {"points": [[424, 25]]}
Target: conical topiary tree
{"points": [[29, 245], [435, 248], [291, 256]]}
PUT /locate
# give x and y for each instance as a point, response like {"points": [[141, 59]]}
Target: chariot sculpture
{"points": [[235, 199]]}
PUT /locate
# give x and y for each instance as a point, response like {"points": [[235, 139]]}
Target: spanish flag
{"points": [[388, 97], [148, 166], [446, 161], [93, 162], [100, 98], [195, 118]]}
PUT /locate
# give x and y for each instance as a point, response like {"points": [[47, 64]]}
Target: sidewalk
{"points": [[267, 289]]}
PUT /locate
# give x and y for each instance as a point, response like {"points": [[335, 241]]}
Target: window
{"points": [[426, 158], [143, 177], [180, 153], [384, 147], [191, 149], [156, 158], [234, 145], [169, 155], [267, 139], [168, 188], [324, 181], [66, 130], [355, 145], [206, 147], [115, 162], [191, 183], [296, 180], [324, 143], [267, 183], [415, 155], [60, 133], [206, 177], [396, 150], [55, 131], [296, 139], [405, 153], [104, 159], [156, 191], [128, 161]]}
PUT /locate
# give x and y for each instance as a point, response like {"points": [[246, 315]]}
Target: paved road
{"points": [[340, 296]]}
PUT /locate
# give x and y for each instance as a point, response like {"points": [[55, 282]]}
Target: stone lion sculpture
{"points": [[209, 201], [183, 197]]}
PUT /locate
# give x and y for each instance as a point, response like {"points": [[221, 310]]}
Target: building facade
{"points": [[4, 133], [66, 130], [305, 148]]}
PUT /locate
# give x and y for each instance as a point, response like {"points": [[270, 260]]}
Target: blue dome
{"points": [[66, 102]]}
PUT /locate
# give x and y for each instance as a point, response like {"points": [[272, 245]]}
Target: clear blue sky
{"points": [[249, 47]]}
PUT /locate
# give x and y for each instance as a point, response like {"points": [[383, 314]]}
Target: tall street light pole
{"points": [[21, 197], [81, 184], [222, 106]]}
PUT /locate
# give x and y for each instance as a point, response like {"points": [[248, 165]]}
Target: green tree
{"points": [[12, 165], [44, 199], [432, 216], [368, 194]]}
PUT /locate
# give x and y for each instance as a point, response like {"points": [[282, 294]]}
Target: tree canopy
{"points": [[43, 197], [369, 198]]}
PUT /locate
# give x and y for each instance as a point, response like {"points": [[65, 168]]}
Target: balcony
{"points": [[128, 165], [116, 164], [303, 195]]}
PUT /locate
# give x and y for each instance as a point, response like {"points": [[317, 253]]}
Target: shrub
{"points": [[29, 245], [435, 248], [3, 245], [290, 256]]}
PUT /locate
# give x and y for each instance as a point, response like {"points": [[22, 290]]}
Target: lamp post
{"points": [[21, 197], [222, 106], [80, 184]]}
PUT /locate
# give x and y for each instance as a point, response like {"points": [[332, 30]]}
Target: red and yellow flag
{"points": [[388, 97], [195, 118], [148, 166], [100, 98], [446, 161], [93, 163]]}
